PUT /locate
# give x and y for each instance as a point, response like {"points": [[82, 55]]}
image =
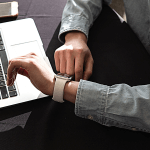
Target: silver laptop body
{"points": [[20, 37]]}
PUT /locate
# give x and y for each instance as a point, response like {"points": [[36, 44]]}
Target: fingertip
{"points": [[9, 62], [77, 78], [87, 75], [9, 82], [85, 78], [57, 64], [57, 69], [9, 78], [12, 80]]}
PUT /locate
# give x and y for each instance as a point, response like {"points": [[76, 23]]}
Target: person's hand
{"points": [[35, 68], [74, 57]]}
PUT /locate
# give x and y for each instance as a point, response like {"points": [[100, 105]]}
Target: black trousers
{"points": [[119, 57]]}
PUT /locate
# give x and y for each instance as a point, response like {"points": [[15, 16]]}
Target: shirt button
{"points": [[133, 129], [90, 117]]}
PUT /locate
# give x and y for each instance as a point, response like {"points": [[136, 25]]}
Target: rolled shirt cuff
{"points": [[91, 101], [73, 23]]}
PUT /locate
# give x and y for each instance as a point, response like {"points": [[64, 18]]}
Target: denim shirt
{"points": [[118, 105]]}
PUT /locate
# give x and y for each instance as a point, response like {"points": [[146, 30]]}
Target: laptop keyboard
{"points": [[5, 91]]}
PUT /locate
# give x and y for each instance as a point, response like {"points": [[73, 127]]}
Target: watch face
{"points": [[65, 76]]}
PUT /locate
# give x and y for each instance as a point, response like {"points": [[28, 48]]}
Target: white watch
{"points": [[60, 82]]}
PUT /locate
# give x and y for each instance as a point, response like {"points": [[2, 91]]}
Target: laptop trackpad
{"points": [[24, 48]]}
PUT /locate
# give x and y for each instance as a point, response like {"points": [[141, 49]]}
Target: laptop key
{"points": [[2, 83], [11, 88], [1, 78], [1, 73], [4, 60], [12, 93], [2, 47], [4, 92], [1, 42]]}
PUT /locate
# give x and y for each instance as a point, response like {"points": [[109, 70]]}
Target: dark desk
{"points": [[44, 124]]}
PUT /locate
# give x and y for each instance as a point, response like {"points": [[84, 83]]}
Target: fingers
{"points": [[71, 59], [70, 64], [57, 61], [62, 63], [16, 65], [88, 68], [11, 79], [70, 69], [64, 60], [33, 67], [79, 68], [23, 72]]}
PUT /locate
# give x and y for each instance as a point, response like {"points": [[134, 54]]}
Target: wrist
{"points": [[75, 35], [51, 86], [70, 91], [59, 88]]}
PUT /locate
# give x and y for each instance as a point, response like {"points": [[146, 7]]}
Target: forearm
{"points": [[119, 105]]}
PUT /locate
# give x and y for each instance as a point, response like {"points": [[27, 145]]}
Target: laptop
{"points": [[18, 38]]}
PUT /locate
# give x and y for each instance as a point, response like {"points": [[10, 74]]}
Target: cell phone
{"points": [[9, 9]]}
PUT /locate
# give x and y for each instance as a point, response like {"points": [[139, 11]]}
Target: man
{"points": [[118, 105]]}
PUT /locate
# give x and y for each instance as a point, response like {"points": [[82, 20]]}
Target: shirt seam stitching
{"points": [[75, 16], [126, 124], [78, 97]]}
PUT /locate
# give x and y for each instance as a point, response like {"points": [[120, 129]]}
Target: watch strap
{"points": [[58, 92]]}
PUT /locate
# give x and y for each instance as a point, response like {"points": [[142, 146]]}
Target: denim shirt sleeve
{"points": [[119, 105], [79, 15]]}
